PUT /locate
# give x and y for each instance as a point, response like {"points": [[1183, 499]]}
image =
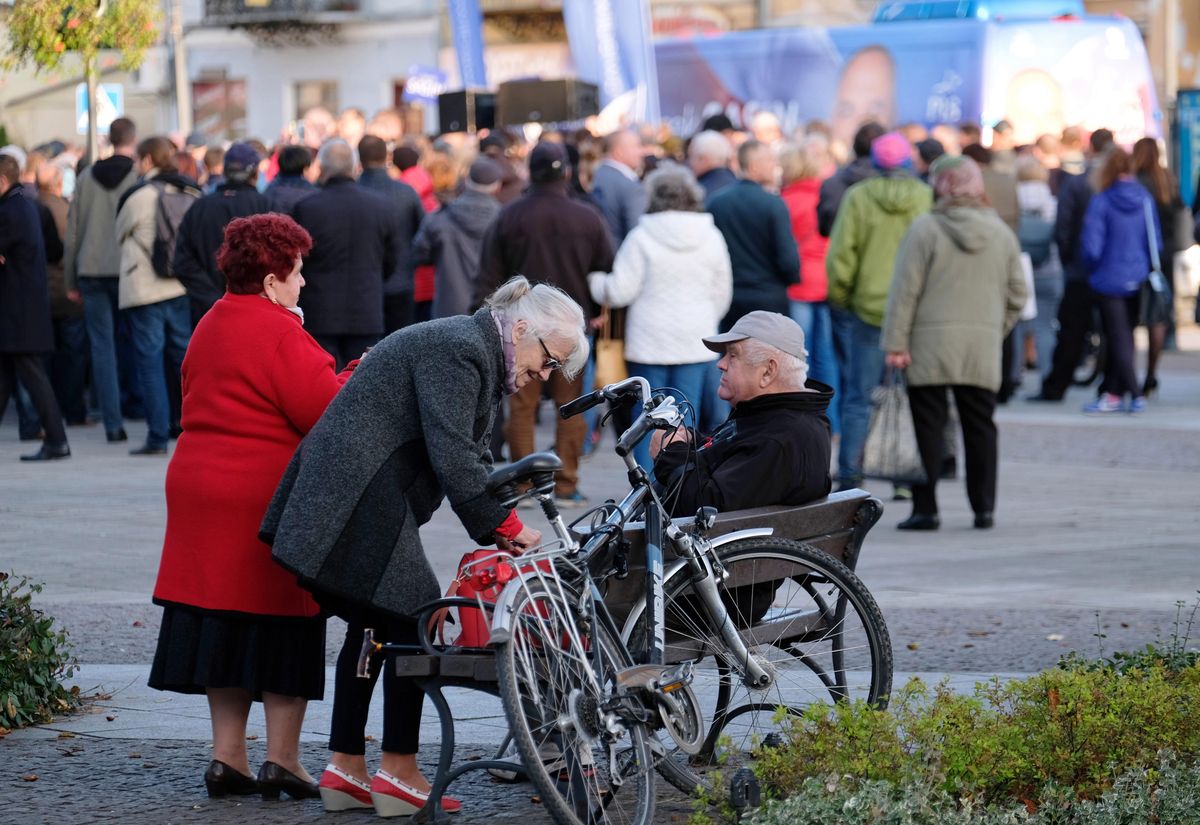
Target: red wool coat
{"points": [[801, 199], [254, 383]]}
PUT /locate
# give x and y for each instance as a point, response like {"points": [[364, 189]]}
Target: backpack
{"points": [[173, 204], [1035, 234]]}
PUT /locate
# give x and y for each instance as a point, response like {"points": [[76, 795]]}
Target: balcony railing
{"points": [[233, 12]]}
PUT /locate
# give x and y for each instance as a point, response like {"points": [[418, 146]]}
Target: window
{"points": [[310, 93]]}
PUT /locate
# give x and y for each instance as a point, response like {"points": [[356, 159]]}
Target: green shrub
{"points": [[33, 657]]}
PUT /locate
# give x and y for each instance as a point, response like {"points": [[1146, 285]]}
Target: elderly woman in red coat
{"points": [[236, 626]]}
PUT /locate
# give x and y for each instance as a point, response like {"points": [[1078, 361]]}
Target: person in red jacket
{"points": [[236, 626], [804, 167]]}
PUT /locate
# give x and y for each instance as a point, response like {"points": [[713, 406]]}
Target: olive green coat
{"points": [[957, 290]]}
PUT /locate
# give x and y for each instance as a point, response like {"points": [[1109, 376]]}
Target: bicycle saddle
{"points": [[538, 468]]}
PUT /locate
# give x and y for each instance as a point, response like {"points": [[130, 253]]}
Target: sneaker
{"points": [[902, 492], [342, 792], [1137, 405], [572, 501], [395, 797], [1106, 403]]}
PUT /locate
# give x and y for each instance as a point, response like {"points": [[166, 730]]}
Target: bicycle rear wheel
{"points": [[590, 762], [805, 617]]}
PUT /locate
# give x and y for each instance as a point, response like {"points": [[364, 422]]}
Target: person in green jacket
{"points": [[958, 290], [872, 219]]}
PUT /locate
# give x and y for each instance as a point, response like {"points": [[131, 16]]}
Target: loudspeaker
{"points": [[546, 101], [467, 110]]}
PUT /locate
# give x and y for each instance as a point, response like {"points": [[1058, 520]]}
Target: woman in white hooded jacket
{"points": [[674, 274]]}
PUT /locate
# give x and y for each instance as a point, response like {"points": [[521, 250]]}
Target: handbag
{"points": [[482, 574], [1154, 299], [610, 354], [891, 452]]}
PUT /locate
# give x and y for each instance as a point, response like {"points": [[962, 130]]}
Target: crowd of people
{"points": [[228, 294]]}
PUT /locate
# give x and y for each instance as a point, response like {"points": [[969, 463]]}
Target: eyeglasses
{"points": [[551, 363]]}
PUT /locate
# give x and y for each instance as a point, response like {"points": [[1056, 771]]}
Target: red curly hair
{"points": [[260, 245]]}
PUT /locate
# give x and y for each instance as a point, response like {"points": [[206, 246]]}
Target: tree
{"points": [[42, 32]]}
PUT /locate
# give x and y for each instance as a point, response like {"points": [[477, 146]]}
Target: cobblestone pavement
{"points": [[88, 781], [1095, 516]]}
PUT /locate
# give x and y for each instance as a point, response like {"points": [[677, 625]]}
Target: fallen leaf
{"points": [[66, 734], [110, 717], [252, 737], [135, 756], [149, 765], [1125, 624], [368, 738], [138, 623], [913, 645], [1054, 637], [968, 644], [30, 777], [978, 634]]}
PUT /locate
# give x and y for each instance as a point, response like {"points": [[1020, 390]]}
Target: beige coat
{"points": [[957, 290], [140, 284]]}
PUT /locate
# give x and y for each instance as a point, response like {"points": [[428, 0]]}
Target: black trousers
{"points": [[402, 699], [345, 348], [398, 311], [1074, 323], [1120, 316], [31, 369], [975, 409]]}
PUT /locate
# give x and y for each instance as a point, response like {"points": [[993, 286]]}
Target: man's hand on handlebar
{"points": [[661, 438]]}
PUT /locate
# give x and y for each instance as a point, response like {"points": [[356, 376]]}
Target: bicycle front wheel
{"points": [[589, 759], [804, 617]]}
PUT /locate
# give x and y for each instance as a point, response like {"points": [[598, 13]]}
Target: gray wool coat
{"points": [[411, 427]]}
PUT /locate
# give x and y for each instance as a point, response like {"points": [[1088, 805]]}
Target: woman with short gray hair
{"points": [[411, 428], [674, 274]]}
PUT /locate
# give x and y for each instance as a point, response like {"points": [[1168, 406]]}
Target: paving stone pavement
{"points": [[1097, 539]]}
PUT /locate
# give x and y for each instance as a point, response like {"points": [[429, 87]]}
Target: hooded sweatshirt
{"points": [[773, 449], [873, 218], [1115, 242], [450, 240], [91, 238], [674, 274], [959, 287]]}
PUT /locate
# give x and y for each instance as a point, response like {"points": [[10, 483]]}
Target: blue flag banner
{"points": [[466, 23], [611, 46]]}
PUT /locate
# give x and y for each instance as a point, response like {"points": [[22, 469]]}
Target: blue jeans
{"points": [[814, 319], [1048, 292], [100, 316], [165, 327], [688, 379], [860, 367]]}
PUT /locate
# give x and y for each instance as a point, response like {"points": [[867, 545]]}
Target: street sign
{"points": [[1187, 130], [110, 105]]}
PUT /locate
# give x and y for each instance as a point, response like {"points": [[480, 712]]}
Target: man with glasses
{"points": [[546, 236]]}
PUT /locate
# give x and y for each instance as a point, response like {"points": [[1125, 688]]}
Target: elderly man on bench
{"points": [[775, 446]]}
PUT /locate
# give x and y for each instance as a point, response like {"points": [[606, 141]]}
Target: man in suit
{"points": [[617, 187], [355, 249], [406, 211]]}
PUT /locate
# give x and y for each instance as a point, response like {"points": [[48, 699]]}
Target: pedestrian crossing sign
{"points": [[110, 105]]}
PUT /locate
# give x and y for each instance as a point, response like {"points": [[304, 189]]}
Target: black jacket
{"points": [[25, 326], [1074, 195], [714, 180], [288, 190], [450, 239], [201, 234], [757, 229], [834, 189], [354, 251], [548, 237], [773, 449], [407, 213]]}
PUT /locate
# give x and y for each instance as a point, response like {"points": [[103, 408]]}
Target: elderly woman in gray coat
{"points": [[411, 427], [957, 290]]}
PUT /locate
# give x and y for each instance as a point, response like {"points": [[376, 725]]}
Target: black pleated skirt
{"points": [[198, 650]]}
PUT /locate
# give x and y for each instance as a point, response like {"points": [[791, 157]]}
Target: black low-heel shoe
{"points": [[919, 521], [222, 780], [273, 780]]}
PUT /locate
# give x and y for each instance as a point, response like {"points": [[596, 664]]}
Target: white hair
{"points": [[549, 312], [793, 371], [337, 159], [711, 146]]}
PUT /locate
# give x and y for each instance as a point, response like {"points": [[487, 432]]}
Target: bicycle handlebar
{"points": [[581, 404]]}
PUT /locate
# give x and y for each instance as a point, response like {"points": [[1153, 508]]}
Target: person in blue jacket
{"points": [[1115, 246]]}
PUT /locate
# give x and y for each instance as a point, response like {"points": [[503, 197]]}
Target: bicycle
{"points": [[756, 626]]}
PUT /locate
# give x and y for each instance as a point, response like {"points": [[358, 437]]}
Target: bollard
{"points": [[744, 791]]}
